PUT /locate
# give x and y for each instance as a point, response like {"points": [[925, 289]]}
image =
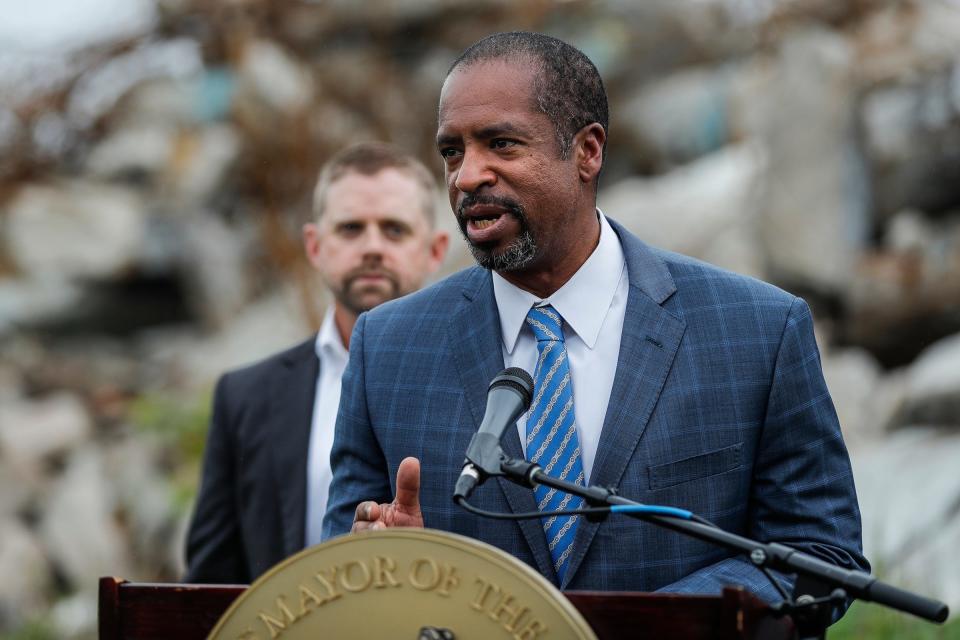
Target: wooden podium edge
{"points": [[108, 608], [150, 611]]}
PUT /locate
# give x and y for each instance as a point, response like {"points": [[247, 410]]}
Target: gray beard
{"points": [[519, 254]]}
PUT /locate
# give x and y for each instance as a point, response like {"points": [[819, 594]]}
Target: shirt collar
{"points": [[328, 342], [592, 287]]}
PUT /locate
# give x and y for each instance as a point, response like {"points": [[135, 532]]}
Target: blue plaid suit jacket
{"points": [[718, 406]]}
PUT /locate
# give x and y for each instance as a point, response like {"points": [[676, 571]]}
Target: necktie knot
{"points": [[546, 323]]}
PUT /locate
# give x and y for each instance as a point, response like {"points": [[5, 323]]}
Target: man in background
{"points": [[266, 469]]}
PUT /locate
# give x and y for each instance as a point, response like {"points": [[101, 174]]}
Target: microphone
{"points": [[508, 397]]}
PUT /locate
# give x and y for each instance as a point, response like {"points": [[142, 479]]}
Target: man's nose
{"points": [[474, 172], [373, 241]]}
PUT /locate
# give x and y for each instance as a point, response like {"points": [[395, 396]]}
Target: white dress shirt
{"points": [[333, 360], [592, 303]]}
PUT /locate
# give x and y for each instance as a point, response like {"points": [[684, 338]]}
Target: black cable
{"points": [[529, 515], [776, 584], [703, 521], [536, 515]]}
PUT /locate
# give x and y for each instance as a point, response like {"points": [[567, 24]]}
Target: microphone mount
{"points": [[508, 396], [811, 612]]}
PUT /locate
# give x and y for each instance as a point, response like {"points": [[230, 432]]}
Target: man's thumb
{"points": [[408, 485]]}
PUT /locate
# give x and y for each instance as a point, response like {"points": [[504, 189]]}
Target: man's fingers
{"points": [[408, 486], [405, 509], [359, 525], [368, 511]]}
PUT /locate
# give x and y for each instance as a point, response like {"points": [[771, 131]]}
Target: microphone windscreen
{"points": [[517, 379]]}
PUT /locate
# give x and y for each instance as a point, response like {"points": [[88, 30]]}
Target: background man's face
{"points": [[373, 242]]}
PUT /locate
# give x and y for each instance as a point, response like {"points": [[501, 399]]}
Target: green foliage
{"points": [[34, 630], [867, 620], [180, 425], [178, 421]]}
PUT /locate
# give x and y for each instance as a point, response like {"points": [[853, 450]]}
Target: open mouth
{"points": [[490, 226], [483, 222], [489, 220], [484, 215]]}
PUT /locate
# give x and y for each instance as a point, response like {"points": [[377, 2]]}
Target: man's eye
{"points": [[395, 231], [349, 228], [502, 143], [449, 152]]}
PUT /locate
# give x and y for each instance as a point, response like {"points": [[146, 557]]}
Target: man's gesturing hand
{"points": [[404, 511]]}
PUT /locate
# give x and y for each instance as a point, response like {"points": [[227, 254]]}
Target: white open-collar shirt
{"points": [[333, 360], [593, 304]]}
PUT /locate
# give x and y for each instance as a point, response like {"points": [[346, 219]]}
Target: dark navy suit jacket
{"points": [[251, 509], [718, 406]]}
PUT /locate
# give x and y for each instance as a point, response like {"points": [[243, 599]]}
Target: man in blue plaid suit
{"points": [[691, 386]]}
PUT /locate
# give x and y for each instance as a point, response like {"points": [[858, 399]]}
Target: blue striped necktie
{"points": [[552, 440]]}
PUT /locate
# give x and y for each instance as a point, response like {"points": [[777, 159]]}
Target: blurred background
{"points": [[157, 159]]}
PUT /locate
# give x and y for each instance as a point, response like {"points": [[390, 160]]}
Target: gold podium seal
{"points": [[402, 584]]}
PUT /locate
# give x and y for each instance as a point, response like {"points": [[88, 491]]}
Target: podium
{"points": [[145, 611]]}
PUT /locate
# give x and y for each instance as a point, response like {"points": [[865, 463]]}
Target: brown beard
{"points": [[354, 300]]}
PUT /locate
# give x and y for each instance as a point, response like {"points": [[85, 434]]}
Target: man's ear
{"points": [[588, 149], [311, 243], [438, 249]]}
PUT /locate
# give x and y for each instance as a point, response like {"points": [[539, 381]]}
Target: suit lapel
{"points": [[648, 345], [474, 336], [291, 422]]}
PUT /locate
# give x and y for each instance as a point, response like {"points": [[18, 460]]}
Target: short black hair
{"points": [[568, 88]]}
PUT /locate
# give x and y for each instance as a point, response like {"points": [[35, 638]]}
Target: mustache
{"points": [[364, 271], [472, 199]]}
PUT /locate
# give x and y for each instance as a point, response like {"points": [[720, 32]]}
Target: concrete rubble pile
{"points": [[152, 188]]}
